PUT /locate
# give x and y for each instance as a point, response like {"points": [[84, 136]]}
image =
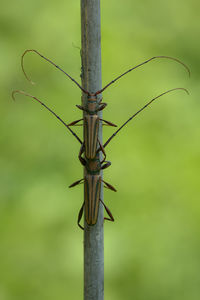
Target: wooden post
{"points": [[91, 81]]}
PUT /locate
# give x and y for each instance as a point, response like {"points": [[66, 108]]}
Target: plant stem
{"points": [[91, 81]]}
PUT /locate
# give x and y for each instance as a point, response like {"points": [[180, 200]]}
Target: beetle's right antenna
{"points": [[146, 61], [28, 78]]}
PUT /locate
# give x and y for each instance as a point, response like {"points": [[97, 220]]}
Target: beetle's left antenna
{"points": [[28, 78], [33, 97]]}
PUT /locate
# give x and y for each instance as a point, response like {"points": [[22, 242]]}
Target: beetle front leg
{"points": [[80, 216], [108, 212], [102, 106]]}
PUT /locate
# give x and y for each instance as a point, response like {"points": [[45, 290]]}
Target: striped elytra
{"points": [[92, 189], [91, 129]]}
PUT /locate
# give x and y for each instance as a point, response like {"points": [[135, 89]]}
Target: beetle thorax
{"points": [[92, 105], [93, 166]]}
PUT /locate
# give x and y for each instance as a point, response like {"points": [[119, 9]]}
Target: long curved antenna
{"points": [[114, 134], [146, 61], [28, 95], [32, 50]]}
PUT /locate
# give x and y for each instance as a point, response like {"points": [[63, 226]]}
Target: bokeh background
{"points": [[152, 251]]}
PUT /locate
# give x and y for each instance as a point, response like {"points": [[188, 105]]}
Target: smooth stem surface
{"points": [[91, 81]]}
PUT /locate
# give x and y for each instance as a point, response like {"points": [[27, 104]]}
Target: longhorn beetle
{"points": [[91, 145]]}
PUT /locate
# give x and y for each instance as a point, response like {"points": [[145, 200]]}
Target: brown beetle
{"points": [[91, 146]]}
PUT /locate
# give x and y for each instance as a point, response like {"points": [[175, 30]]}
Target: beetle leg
{"points": [[102, 149], [82, 149], [108, 212], [102, 106], [75, 122], [106, 165], [80, 216], [80, 107], [76, 183], [108, 123], [109, 186]]}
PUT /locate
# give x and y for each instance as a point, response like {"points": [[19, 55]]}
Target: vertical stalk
{"points": [[91, 81]]}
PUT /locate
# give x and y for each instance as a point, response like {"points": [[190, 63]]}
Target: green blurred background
{"points": [[152, 251]]}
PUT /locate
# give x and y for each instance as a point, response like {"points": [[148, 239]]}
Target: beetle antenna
{"points": [[114, 134], [133, 68], [28, 78], [33, 97]]}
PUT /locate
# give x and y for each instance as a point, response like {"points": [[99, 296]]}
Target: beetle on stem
{"points": [[91, 145]]}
